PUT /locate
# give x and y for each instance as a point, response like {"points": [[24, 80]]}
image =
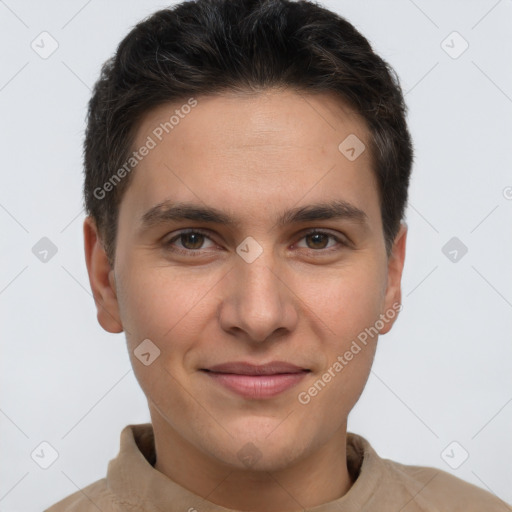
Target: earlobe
{"points": [[101, 279], [396, 260]]}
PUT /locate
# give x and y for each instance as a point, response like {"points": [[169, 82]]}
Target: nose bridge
{"points": [[259, 303], [255, 268], [257, 282]]}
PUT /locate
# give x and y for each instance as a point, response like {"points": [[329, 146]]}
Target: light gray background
{"points": [[444, 372]]}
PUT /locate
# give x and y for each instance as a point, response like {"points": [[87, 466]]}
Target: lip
{"points": [[256, 381]]}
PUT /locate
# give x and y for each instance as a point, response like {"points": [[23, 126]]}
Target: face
{"points": [[288, 265]]}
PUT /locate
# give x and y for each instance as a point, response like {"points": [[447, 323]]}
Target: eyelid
{"points": [[176, 236], [341, 239]]}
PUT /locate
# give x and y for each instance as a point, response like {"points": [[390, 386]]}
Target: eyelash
{"points": [[198, 252]]}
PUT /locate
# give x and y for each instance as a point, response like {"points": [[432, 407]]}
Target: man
{"points": [[247, 165]]}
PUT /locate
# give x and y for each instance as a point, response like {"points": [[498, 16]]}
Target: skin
{"points": [[303, 300]]}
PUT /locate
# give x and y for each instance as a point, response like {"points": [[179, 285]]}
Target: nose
{"points": [[258, 303]]}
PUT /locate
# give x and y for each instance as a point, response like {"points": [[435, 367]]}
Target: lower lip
{"points": [[257, 386]]}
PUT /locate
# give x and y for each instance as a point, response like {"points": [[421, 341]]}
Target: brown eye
{"points": [[189, 243], [192, 240], [318, 240]]}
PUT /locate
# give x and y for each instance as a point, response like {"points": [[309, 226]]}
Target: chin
{"points": [[261, 429], [263, 445]]}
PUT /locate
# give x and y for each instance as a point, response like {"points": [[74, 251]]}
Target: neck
{"points": [[316, 478]]}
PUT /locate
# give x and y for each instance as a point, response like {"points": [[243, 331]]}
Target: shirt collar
{"points": [[132, 478]]}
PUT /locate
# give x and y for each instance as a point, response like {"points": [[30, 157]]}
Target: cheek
{"points": [[166, 308], [163, 305], [348, 307], [332, 395], [348, 301]]}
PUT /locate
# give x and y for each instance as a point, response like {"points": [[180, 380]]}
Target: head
{"points": [[221, 137]]}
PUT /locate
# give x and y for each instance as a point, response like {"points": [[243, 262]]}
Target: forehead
{"points": [[247, 121], [242, 151]]}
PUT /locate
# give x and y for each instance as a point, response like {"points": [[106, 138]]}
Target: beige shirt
{"points": [[381, 485]]}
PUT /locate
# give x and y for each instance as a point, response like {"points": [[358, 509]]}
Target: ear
{"points": [[101, 279], [396, 259]]}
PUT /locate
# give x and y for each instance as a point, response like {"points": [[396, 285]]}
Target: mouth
{"points": [[245, 368], [256, 381]]}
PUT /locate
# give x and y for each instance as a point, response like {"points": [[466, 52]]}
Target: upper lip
{"points": [[243, 368]]}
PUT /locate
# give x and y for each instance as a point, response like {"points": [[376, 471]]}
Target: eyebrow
{"points": [[167, 211]]}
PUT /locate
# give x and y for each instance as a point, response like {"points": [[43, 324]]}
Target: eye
{"points": [[191, 241], [318, 240]]}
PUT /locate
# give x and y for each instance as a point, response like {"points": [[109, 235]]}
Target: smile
{"points": [[257, 386]]}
